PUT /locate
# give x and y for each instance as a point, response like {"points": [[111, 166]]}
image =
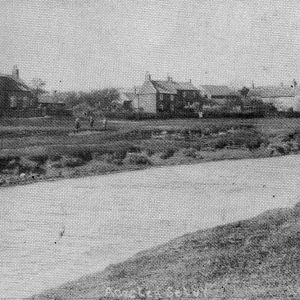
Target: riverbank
{"points": [[251, 259], [65, 154]]}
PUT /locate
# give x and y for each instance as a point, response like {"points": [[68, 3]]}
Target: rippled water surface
{"points": [[106, 219]]}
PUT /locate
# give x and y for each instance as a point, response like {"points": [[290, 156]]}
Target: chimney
{"points": [[147, 76], [190, 80], [294, 85], [15, 72], [169, 78], [253, 85]]}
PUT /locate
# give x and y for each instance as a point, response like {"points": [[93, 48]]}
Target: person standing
{"points": [[77, 125], [105, 123], [91, 120]]}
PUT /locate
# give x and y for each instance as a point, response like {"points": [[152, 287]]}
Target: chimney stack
{"points": [[147, 76], [15, 72], [169, 78]]}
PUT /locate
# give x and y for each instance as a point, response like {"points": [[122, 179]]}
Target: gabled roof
{"points": [[49, 99], [273, 91], [218, 90], [171, 87], [130, 96], [11, 84]]}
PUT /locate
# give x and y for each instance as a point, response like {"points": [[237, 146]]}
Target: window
{"points": [[172, 107], [26, 102], [161, 107], [172, 98], [13, 101], [184, 94], [161, 97], [194, 94]]}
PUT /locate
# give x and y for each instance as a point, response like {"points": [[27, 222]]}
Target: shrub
{"points": [[71, 162], [134, 149], [117, 161], [27, 165], [168, 153], [85, 155], [40, 159], [139, 159], [191, 152], [150, 152], [120, 154], [221, 143], [55, 157], [55, 164]]}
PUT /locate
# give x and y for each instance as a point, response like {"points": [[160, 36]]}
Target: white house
{"points": [[284, 98]]}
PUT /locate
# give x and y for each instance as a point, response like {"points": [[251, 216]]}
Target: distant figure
{"points": [[77, 124], [91, 120], [200, 113], [105, 123]]}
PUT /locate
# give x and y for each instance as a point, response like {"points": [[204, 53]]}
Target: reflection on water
{"points": [[108, 218]]}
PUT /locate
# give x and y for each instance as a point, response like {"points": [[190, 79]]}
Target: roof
{"points": [[130, 96], [49, 99], [218, 90], [171, 87], [11, 84], [273, 91]]}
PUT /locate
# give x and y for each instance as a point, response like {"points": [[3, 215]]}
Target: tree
{"points": [[244, 91], [38, 86]]}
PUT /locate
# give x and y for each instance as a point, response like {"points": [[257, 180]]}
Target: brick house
{"points": [[15, 95], [167, 96]]}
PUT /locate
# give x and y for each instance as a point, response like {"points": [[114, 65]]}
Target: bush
{"points": [[119, 155], [117, 161], [221, 143], [71, 162], [150, 152], [27, 165], [40, 159], [168, 153], [191, 152], [139, 159], [85, 155]]}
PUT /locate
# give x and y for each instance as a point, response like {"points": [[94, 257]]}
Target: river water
{"points": [[52, 232]]}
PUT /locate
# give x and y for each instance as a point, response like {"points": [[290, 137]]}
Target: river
{"points": [[52, 232]]}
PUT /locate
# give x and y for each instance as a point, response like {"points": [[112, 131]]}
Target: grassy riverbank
{"points": [[253, 259], [46, 149]]}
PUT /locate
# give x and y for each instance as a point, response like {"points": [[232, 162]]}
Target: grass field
{"points": [[32, 147], [252, 259]]}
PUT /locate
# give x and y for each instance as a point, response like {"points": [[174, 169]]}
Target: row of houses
{"points": [[154, 96], [172, 96]]}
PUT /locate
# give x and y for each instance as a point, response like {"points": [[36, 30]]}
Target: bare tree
{"points": [[38, 86]]}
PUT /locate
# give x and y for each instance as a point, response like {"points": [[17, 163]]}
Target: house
{"points": [[127, 98], [167, 96], [218, 95], [17, 99], [51, 105], [15, 94], [283, 97]]}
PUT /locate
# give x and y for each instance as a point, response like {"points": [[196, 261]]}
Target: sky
{"points": [[91, 44]]}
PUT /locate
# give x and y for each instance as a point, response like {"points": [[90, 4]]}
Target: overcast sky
{"points": [[84, 45]]}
